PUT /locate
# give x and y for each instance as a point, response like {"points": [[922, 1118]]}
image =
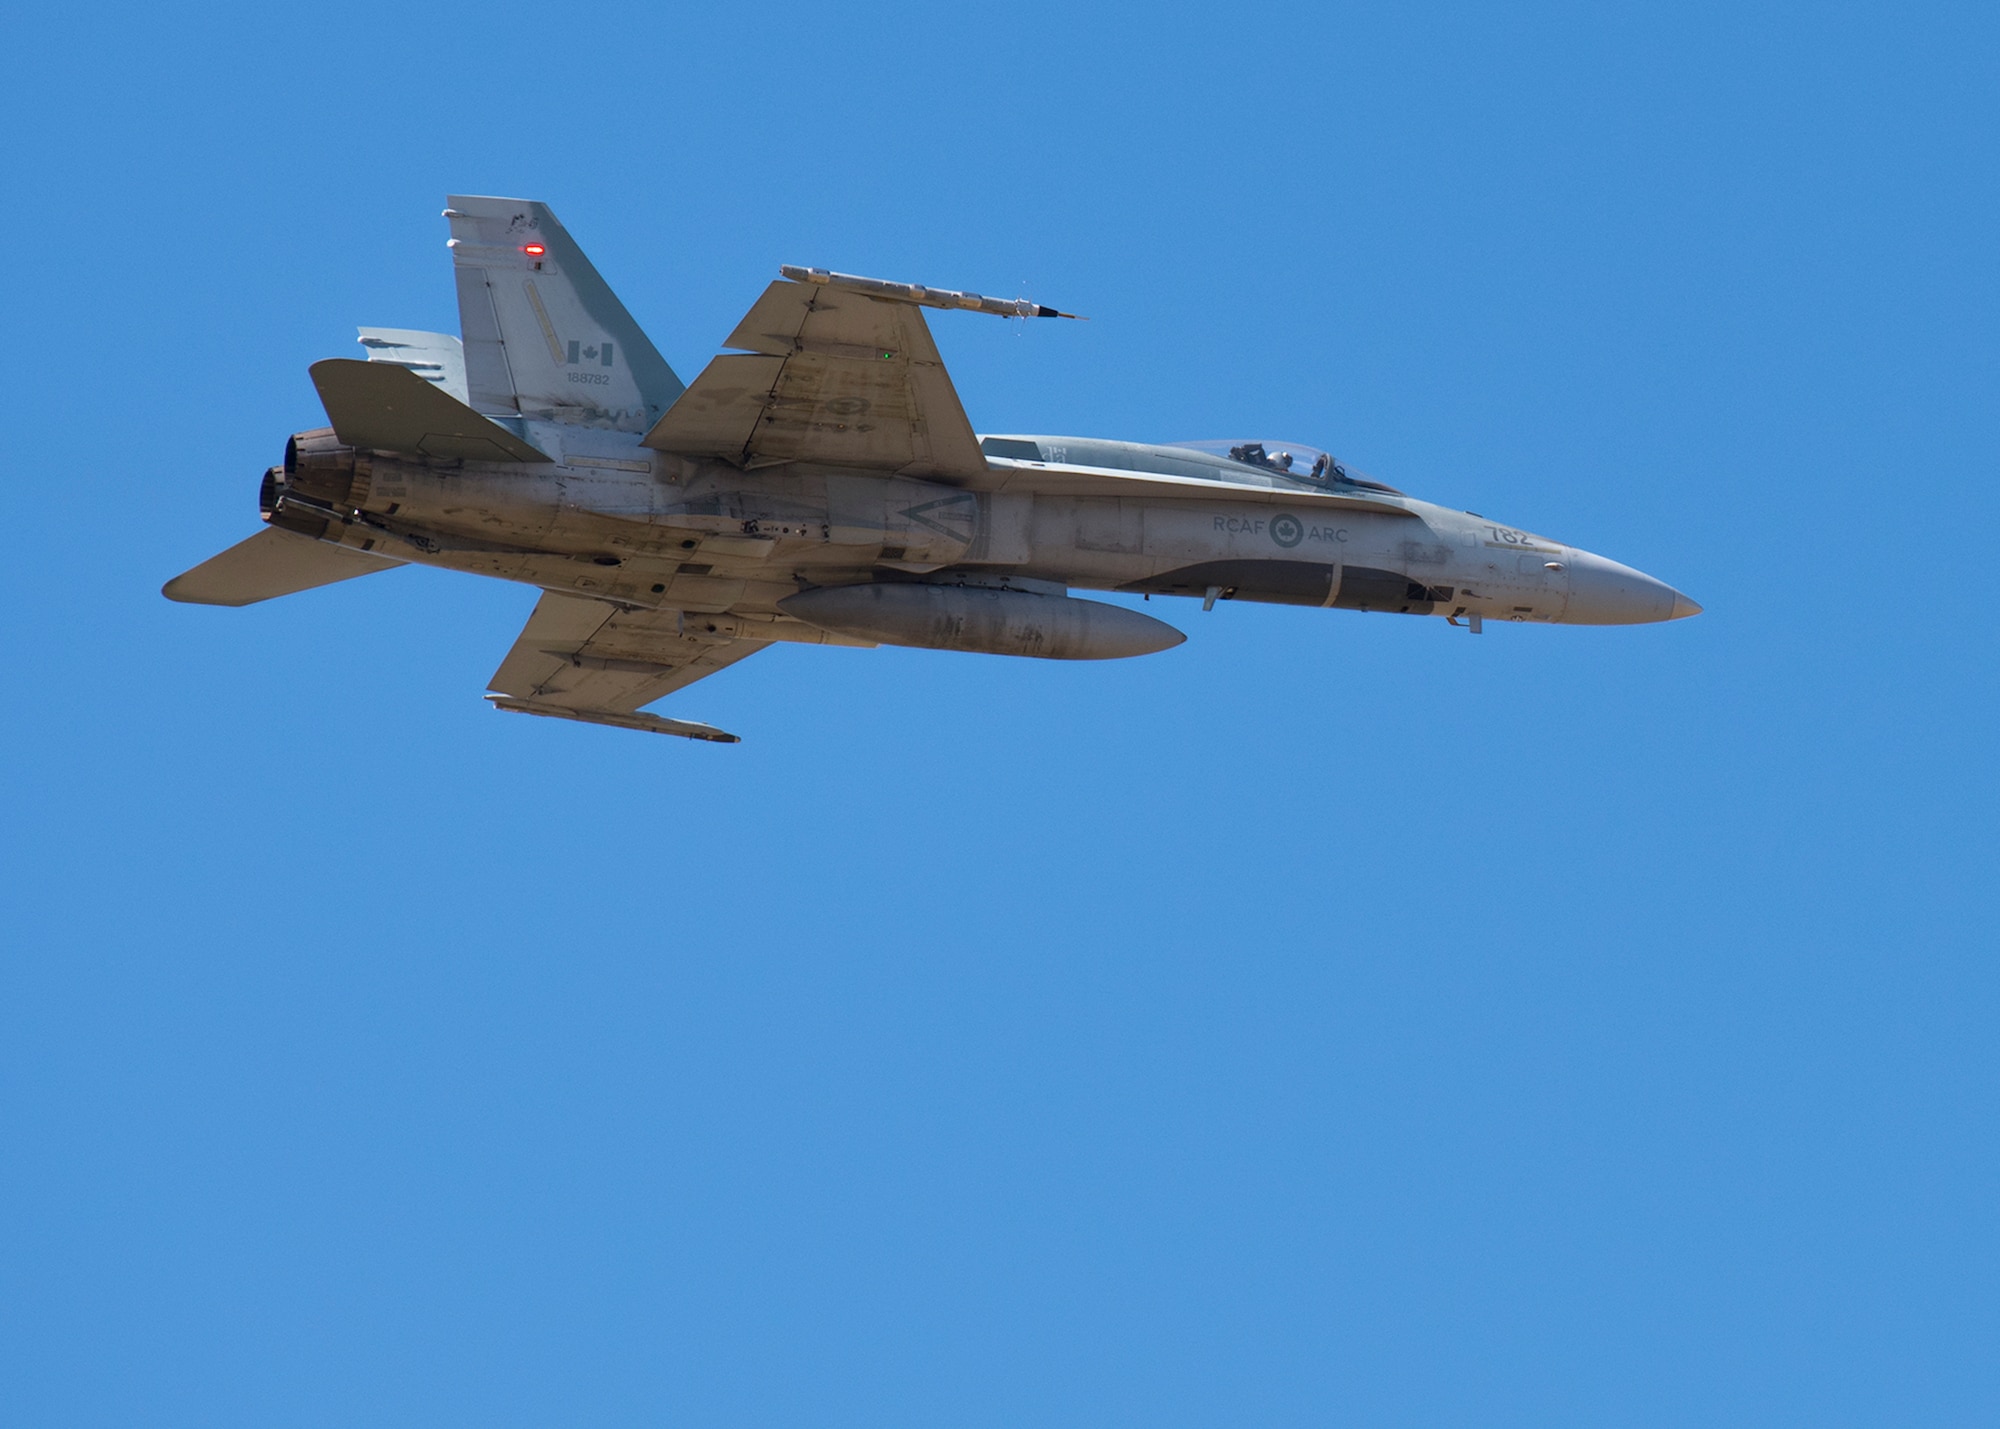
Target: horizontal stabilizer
{"points": [[380, 406], [652, 724], [272, 563]]}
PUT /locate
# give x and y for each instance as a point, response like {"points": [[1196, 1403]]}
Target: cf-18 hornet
{"points": [[818, 483]]}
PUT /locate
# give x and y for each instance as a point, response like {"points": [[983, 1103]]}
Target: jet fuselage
{"points": [[610, 519]]}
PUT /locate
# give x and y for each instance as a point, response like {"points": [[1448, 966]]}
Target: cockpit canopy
{"points": [[1296, 460], [1293, 459], [1252, 462]]}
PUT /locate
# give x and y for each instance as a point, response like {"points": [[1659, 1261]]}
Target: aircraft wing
{"points": [[586, 660], [826, 373]]}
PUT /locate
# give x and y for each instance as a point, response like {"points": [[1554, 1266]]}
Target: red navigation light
{"points": [[534, 250]]}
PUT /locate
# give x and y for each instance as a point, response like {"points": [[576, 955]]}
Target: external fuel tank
{"points": [[982, 620]]}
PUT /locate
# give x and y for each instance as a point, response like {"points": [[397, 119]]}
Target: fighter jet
{"points": [[818, 483]]}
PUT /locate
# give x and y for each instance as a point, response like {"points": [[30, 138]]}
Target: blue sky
{"points": [[1334, 1020]]}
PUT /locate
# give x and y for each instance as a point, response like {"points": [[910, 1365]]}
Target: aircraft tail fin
{"points": [[545, 337], [436, 357], [272, 563]]}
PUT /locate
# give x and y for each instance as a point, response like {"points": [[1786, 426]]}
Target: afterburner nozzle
{"points": [[321, 481]]}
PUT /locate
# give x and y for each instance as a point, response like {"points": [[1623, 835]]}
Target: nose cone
{"points": [[1604, 592]]}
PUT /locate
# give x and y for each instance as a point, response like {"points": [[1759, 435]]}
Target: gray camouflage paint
{"points": [[719, 550]]}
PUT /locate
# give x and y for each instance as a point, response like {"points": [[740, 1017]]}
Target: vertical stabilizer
{"points": [[545, 337], [434, 356]]}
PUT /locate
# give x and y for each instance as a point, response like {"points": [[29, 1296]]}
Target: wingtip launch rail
{"points": [[925, 297], [617, 719]]}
